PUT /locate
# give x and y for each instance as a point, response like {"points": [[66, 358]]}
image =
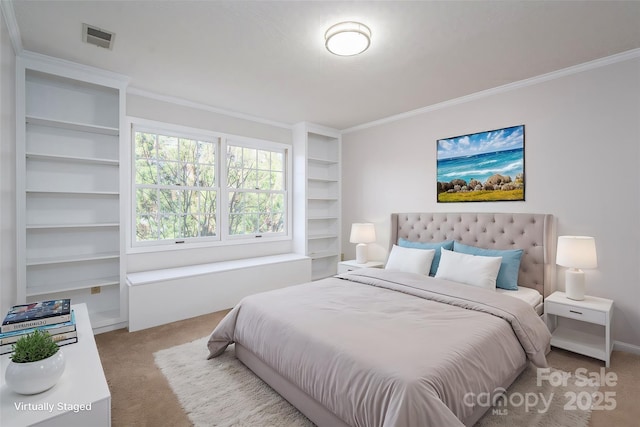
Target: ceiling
{"points": [[267, 59]]}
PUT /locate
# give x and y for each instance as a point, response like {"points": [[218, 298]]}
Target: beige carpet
{"points": [[223, 392]]}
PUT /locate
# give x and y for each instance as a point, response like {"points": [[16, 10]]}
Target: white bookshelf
{"points": [[317, 197], [70, 235]]}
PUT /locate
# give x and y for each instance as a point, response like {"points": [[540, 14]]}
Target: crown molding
{"points": [[74, 70], [316, 128], [200, 106], [12, 25], [602, 62]]}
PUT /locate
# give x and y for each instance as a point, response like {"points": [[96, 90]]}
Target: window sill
{"points": [[210, 244]]}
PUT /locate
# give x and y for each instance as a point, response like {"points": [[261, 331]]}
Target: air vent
{"points": [[97, 36]]}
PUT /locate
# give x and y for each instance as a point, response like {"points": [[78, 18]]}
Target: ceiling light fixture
{"points": [[347, 38]]}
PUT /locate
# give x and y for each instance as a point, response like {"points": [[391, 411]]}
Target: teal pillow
{"points": [[428, 245], [509, 268]]}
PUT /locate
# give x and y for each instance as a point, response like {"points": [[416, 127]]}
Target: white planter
{"points": [[35, 377]]}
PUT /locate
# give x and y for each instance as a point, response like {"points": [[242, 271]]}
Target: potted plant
{"points": [[36, 364]]}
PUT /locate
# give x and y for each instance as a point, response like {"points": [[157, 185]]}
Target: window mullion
{"points": [[158, 214], [224, 190]]}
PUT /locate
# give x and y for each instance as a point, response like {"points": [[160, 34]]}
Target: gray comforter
{"points": [[384, 348]]}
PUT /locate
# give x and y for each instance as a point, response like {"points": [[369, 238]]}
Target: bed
{"points": [[380, 347]]}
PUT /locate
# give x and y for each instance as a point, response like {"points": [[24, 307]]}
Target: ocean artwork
{"points": [[482, 167]]}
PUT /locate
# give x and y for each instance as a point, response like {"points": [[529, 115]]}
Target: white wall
{"points": [[7, 170], [582, 162], [166, 112]]}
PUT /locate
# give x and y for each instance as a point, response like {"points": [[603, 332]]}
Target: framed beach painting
{"points": [[482, 167]]}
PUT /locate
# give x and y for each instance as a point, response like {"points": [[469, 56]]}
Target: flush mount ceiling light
{"points": [[347, 38]]}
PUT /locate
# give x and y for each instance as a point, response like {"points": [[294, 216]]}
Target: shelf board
{"points": [[55, 226], [79, 192], [73, 258], [59, 158], [72, 286], [82, 127], [323, 199], [322, 218], [322, 254], [322, 236], [323, 179], [579, 341], [323, 161]]}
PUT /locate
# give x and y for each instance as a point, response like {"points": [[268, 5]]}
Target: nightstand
{"points": [[351, 265], [594, 310]]}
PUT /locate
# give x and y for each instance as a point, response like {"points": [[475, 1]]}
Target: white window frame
{"points": [[224, 188], [222, 237]]}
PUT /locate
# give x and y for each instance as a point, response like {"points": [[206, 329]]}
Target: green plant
{"points": [[35, 346]]}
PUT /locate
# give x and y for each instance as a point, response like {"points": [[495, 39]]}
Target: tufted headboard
{"points": [[534, 233]]}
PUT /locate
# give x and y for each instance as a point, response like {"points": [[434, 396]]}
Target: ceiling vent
{"points": [[98, 37]]}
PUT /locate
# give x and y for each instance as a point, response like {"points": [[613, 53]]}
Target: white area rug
{"points": [[223, 392]]}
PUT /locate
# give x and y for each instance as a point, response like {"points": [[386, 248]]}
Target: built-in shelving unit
{"points": [[71, 240], [317, 194]]}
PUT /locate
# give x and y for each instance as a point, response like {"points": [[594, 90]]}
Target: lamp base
{"points": [[361, 253], [574, 284]]}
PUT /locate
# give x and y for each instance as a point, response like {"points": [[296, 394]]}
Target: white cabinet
{"points": [[69, 209], [317, 190], [82, 383]]}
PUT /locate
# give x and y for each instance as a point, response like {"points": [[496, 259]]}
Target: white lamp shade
{"points": [[362, 233], [576, 252]]}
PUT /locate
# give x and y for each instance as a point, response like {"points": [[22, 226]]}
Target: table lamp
{"points": [[362, 233], [576, 252]]}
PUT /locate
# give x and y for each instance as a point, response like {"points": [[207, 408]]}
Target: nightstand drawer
{"points": [[578, 313]]}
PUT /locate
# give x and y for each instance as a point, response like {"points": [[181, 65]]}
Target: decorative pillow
{"points": [[475, 270], [428, 245], [509, 268], [410, 260]]}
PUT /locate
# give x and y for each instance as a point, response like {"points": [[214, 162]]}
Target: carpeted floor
{"points": [[222, 391], [141, 395]]}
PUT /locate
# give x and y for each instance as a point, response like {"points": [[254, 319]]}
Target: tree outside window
{"points": [[256, 189], [175, 184], [177, 196]]}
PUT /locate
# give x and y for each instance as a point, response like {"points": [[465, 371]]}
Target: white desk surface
{"points": [[81, 383]]}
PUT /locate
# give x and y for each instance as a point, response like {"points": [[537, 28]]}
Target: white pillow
{"points": [[475, 270], [410, 260]]}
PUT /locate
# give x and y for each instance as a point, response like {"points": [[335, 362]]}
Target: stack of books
{"points": [[55, 316]]}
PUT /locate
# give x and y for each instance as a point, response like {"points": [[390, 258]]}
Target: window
{"points": [[192, 187], [256, 190], [175, 187]]}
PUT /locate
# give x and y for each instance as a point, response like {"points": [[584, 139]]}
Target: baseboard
{"points": [[109, 328], [623, 346]]}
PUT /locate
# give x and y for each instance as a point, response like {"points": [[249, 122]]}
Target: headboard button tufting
{"points": [[535, 229]]}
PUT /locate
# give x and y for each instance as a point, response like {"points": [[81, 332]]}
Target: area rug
{"points": [[223, 392]]}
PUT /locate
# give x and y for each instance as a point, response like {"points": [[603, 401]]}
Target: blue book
{"points": [[37, 314], [58, 328]]}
